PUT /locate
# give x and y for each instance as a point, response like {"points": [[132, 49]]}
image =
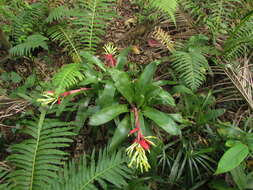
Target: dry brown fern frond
{"points": [[242, 78], [164, 37]]}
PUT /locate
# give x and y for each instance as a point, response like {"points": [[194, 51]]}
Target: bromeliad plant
{"points": [[130, 103]]}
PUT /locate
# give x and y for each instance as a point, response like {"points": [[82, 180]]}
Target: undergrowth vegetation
{"points": [[127, 94]]}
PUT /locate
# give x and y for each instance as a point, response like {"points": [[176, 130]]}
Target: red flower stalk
{"points": [[110, 60], [141, 144], [50, 96], [140, 139], [67, 93]]}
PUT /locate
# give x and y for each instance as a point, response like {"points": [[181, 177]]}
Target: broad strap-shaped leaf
{"points": [[239, 176], [122, 58], [157, 95], [163, 120], [143, 86], [146, 78], [38, 158], [107, 95], [107, 114], [94, 175], [232, 158], [121, 133], [123, 84]]}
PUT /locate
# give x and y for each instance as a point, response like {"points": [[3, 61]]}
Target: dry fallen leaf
{"points": [[136, 50]]}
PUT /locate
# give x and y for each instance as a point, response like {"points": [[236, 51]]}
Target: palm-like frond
{"points": [[39, 157], [69, 75], [93, 22], [31, 43], [83, 175], [191, 67], [242, 78]]}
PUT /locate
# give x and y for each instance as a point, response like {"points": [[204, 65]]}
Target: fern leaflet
{"points": [[61, 12], [31, 43], [69, 75]]}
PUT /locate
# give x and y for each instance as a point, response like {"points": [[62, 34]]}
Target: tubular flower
{"points": [[137, 153], [110, 51], [141, 144], [50, 97]]}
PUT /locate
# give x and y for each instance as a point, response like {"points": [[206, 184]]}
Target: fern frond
{"points": [[39, 158], [217, 15], [83, 175], [31, 43], [240, 42], [65, 39], [92, 24], [61, 12], [167, 6], [69, 75], [164, 38], [191, 67], [27, 20]]}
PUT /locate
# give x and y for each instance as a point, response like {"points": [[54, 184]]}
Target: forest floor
{"points": [[123, 31]]}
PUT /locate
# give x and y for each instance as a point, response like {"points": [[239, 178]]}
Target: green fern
{"points": [[28, 21], [217, 15], [31, 43], [84, 32], [65, 37], [93, 175], [191, 67], [69, 75], [93, 22], [167, 6], [38, 158], [61, 12], [241, 40], [191, 64]]}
